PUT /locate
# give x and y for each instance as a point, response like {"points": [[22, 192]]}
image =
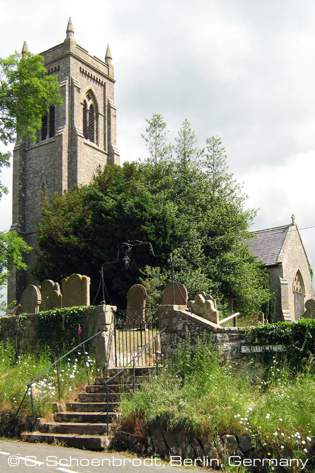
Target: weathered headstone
{"points": [[136, 302], [51, 295], [30, 300], [76, 290], [204, 306], [310, 309], [175, 294]]}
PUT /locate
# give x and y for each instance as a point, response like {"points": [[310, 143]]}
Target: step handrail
{"points": [[47, 370]]}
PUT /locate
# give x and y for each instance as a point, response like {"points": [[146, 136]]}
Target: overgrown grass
{"points": [[17, 372], [203, 395]]}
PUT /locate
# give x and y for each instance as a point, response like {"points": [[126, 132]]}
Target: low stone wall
{"points": [[177, 325], [24, 330], [183, 448]]}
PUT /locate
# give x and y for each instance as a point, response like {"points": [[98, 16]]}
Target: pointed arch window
{"points": [[89, 118], [298, 295], [48, 129], [85, 120]]}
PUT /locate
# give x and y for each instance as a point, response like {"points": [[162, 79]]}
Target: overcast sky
{"points": [[241, 69]]}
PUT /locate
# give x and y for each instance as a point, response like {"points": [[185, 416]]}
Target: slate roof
{"points": [[267, 244]]}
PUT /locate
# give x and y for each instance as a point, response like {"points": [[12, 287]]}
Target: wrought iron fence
{"points": [[131, 338]]}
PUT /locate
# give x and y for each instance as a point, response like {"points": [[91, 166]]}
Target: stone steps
{"points": [[80, 428], [92, 406], [97, 417], [99, 397], [87, 422], [86, 442], [111, 388]]}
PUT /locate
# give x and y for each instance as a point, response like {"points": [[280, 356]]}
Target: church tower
{"points": [[76, 138]]}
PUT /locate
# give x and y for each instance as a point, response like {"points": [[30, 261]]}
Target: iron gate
{"points": [[137, 343]]}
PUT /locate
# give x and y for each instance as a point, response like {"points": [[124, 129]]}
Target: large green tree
{"points": [[182, 199], [26, 92]]}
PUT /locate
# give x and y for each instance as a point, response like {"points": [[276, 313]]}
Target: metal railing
{"points": [[230, 317], [56, 365]]}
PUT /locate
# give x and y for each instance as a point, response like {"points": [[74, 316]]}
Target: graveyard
{"points": [[190, 383]]}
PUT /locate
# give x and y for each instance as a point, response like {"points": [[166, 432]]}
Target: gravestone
{"points": [[75, 290], [175, 294], [30, 300], [310, 309], [205, 307], [136, 302], [51, 295]]}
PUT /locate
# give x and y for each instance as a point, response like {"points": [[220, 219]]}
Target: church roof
{"points": [[266, 244]]}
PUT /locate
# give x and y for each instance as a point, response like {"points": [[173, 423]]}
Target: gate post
{"points": [[103, 343]]}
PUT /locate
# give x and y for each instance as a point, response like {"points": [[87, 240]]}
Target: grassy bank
{"points": [[197, 392], [17, 372]]}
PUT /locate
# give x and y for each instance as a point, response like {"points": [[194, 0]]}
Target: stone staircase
{"points": [[87, 423]]}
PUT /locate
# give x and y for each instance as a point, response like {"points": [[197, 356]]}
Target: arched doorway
{"points": [[299, 295]]}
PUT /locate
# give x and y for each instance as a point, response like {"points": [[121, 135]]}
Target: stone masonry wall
{"points": [[178, 325]]}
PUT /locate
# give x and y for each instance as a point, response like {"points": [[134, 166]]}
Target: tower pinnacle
{"points": [[70, 29], [25, 49], [108, 55]]}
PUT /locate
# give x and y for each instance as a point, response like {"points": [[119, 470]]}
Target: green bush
{"points": [[297, 337]]}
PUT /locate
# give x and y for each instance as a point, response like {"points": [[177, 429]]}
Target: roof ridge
{"points": [[282, 227]]}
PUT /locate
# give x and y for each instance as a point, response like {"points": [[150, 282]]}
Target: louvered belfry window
{"points": [[89, 118], [48, 129], [52, 121], [85, 120], [92, 123]]}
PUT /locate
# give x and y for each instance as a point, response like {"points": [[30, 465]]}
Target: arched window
{"points": [[52, 121], [48, 129], [89, 118], [92, 123], [299, 295], [44, 129], [85, 120]]}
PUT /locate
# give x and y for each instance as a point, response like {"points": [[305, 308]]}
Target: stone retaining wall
{"points": [[180, 447]]}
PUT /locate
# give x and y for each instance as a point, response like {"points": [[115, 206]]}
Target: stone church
{"points": [[79, 136], [76, 138], [282, 252]]}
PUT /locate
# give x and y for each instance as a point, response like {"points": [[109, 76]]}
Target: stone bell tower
{"points": [[76, 138]]}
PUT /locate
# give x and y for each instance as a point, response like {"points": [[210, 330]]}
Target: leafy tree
{"points": [[156, 139], [182, 199], [26, 92]]}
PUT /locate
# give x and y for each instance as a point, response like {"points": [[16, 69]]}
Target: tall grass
{"points": [[205, 396], [17, 372]]}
